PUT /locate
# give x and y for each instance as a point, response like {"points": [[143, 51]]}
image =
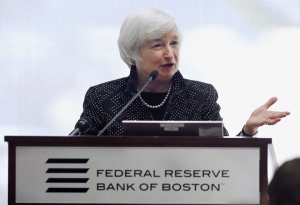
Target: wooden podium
{"points": [[136, 170]]}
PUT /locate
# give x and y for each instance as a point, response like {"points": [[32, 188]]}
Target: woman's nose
{"points": [[169, 53]]}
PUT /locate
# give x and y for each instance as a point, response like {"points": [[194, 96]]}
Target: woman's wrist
{"points": [[245, 132]]}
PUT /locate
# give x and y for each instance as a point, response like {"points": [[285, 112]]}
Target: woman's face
{"points": [[160, 54]]}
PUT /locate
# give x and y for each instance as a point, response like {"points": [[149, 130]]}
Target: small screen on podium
{"points": [[173, 128]]}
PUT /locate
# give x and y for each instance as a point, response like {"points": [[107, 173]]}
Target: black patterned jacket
{"points": [[189, 100]]}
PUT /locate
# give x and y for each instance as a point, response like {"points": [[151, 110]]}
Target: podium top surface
{"points": [[147, 141]]}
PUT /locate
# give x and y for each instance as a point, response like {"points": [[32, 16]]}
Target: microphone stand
{"points": [[132, 99]]}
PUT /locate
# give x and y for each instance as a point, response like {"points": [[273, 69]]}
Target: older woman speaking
{"points": [[149, 40]]}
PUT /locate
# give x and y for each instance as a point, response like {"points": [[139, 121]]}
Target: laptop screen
{"points": [[173, 128]]}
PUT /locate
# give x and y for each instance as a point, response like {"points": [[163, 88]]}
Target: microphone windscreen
{"points": [[84, 124], [153, 74]]}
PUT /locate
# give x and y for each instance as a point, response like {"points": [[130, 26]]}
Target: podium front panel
{"points": [[137, 175]]}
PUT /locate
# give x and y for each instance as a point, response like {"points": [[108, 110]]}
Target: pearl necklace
{"points": [[159, 105]]}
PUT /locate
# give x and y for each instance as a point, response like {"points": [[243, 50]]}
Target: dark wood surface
{"points": [[146, 141]]}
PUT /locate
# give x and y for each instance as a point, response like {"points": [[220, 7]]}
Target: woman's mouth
{"points": [[168, 65]]}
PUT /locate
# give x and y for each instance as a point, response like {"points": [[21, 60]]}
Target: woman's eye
{"points": [[157, 45], [174, 43]]}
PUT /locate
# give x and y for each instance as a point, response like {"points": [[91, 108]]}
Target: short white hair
{"points": [[140, 27]]}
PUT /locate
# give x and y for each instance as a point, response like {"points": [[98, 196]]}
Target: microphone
{"points": [[152, 76], [83, 125]]}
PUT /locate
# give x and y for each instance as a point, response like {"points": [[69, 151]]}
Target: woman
{"points": [[150, 40]]}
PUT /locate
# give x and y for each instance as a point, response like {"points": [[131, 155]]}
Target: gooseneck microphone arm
{"points": [[152, 77]]}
